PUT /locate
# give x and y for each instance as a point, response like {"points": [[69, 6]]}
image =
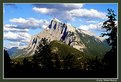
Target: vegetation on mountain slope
{"points": [[57, 59]]}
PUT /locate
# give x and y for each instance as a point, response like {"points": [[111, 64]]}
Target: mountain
{"points": [[83, 41], [12, 50]]}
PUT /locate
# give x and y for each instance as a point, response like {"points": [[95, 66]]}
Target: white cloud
{"points": [[60, 11], [92, 13], [17, 32], [20, 20], [13, 28], [17, 37], [10, 26], [96, 26], [55, 13], [73, 6], [11, 35], [43, 10], [30, 23], [25, 37], [68, 12], [59, 6], [91, 21]]}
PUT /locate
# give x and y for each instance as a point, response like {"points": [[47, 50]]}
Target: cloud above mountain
{"points": [[59, 6], [92, 26], [23, 20], [17, 32], [14, 28], [68, 12], [87, 13], [30, 23], [17, 37]]}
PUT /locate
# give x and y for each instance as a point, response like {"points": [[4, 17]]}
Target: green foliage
{"points": [[64, 50], [42, 54], [94, 47], [58, 60]]}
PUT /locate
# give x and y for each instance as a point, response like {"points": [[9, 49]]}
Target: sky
{"points": [[21, 21]]}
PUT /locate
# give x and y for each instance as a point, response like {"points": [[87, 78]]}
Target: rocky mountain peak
{"points": [[65, 33], [57, 24]]}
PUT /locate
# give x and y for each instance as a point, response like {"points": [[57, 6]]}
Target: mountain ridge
{"points": [[79, 39]]}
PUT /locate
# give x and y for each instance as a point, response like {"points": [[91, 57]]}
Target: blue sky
{"points": [[21, 21]]}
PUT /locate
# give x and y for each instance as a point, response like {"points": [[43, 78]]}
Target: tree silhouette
{"points": [[42, 54], [111, 29], [110, 58], [7, 64]]}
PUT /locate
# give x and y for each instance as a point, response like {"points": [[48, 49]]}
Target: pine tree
{"points": [[110, 57], [111, 29], [43, 54]]}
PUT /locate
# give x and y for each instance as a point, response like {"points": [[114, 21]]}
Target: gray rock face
{"points": [[82, 40]]}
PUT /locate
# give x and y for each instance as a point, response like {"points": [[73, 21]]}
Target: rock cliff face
{"points": [[82, 40]]}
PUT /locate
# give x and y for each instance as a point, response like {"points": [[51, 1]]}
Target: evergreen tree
{"points": [[42, 54], [110, 58], [111, 29]]}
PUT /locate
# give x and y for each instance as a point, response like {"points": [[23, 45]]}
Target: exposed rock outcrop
{"points": [[82, 40]]}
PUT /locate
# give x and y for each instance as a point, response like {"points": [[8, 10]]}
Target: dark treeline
{"points": [[46, 63], [57, 69]]}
